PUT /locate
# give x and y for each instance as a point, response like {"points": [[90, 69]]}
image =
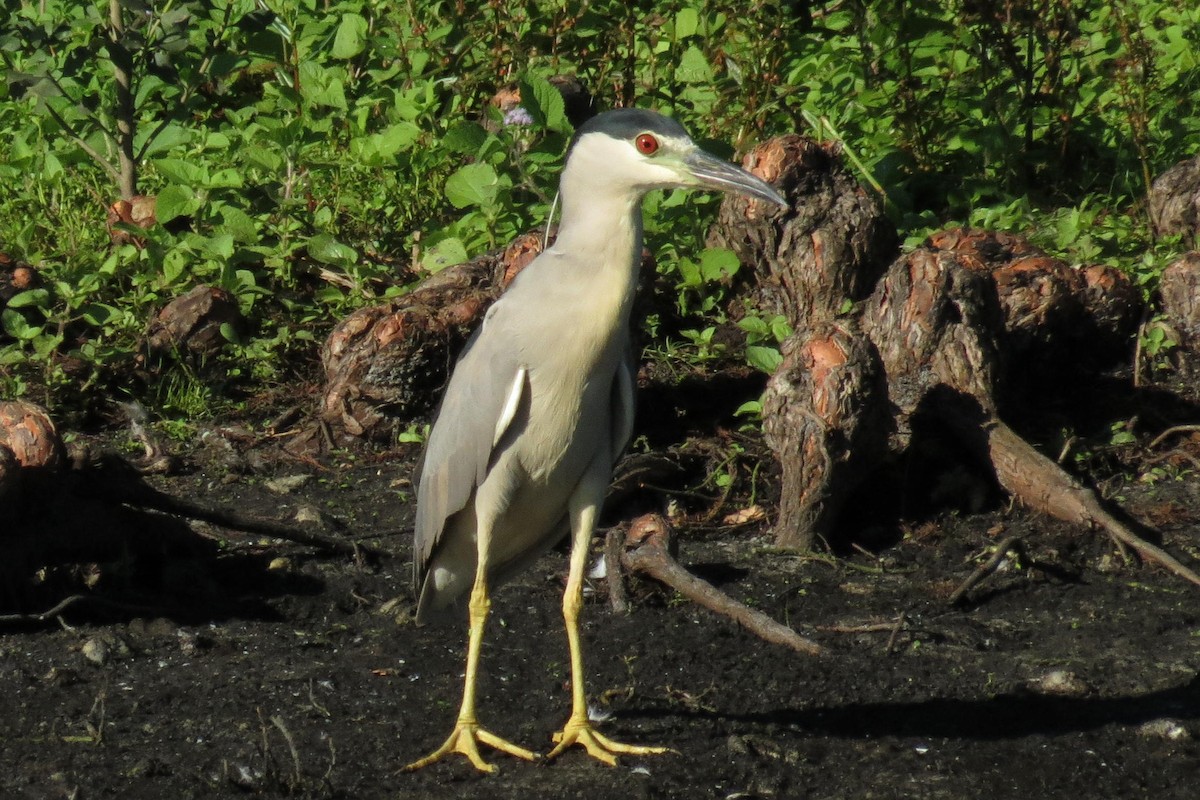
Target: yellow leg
{"points": [[467, 733], [579, 730]]}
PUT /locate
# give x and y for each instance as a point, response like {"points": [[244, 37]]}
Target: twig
{"points": [[58, 608], [985, 569], [133, 492], [898, 626], [649, 536], [866, 627], [1171, 432], [615, 572], [298, 778], [56, 611], [151, 498], [1137, 348]]}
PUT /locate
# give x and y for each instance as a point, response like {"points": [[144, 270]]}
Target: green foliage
{"points": [[298, 150]]}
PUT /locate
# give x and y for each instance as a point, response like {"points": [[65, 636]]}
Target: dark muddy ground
{"points": [[259, 669]]}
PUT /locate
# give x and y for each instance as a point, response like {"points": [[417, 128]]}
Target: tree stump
{"points": [[196, 325], [387, 363], [1180, 291], [825, 416], [936, 323], [31, 452], [1174, 199], [1050, 309], [15, 277], [828, 248]]}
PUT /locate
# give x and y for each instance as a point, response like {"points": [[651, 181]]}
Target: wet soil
{"points": [[259, 668]]}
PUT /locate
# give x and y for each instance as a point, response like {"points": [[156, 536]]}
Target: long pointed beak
{"points": [[716, 173]]}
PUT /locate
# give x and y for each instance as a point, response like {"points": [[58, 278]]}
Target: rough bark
{"points": [[1180, 291], [9, 472], [15, 277], [31, 452], [828, 248], [1174, 200], [825, 417], [1054, 314], [387, 363], [649, 549], [28, 432], [936, 322], [190, 326]]}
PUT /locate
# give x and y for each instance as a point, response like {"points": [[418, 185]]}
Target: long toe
{"points": [[465, 740], [597, 745]]}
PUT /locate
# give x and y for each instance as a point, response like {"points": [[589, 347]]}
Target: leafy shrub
{"points": [[312, 156]]}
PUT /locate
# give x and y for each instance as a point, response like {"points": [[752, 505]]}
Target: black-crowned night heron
{"points": [[540, 404]]}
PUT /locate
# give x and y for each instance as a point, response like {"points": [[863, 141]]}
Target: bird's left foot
{"points": [[598, 746]]}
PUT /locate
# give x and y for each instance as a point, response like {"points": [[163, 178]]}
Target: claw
{"points": [[597, 745], [465, 740]]}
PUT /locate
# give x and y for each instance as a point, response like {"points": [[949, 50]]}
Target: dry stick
{"points": [[652, 558], [56, 611], [985, 569], [50, 613], [1171, 432], [1043, 485], [899, 626], [614, 541], [148, 497]]}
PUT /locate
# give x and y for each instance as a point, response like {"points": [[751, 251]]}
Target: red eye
{"points": [[646, 144]]}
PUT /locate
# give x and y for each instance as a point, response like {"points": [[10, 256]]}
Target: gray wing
{"points": [[480, 403], [623, 402]]}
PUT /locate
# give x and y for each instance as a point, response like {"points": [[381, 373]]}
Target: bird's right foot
{"points": [[465, 740]]}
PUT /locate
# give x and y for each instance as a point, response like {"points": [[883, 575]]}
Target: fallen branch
{"points": [[985, 569], [649, 538], [147, 497], [1171, 432], [1043, 486]]}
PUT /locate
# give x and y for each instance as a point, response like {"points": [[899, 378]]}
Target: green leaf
{"points": [[239, 225], [173, 264], [687, 23], [446, 253], [473, 185], [322, 86], [328, 250], [177, 170], [230, 333], [718, 263], [30, 297], [351, 36], [218, 246], [15, 325], [764, 359], [227, 178], [690, 272], [465, 137], [693, 67], [175, 201], [97, 314], [545, 104], [171, 136], [750, 408]]}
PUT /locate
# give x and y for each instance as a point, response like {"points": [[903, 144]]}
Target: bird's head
{"points": [[632, 151]]}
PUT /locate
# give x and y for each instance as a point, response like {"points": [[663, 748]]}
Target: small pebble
{"points": [[287, 484], [1170, 729], [1061, 682], [95, 651], [308, 515]]}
